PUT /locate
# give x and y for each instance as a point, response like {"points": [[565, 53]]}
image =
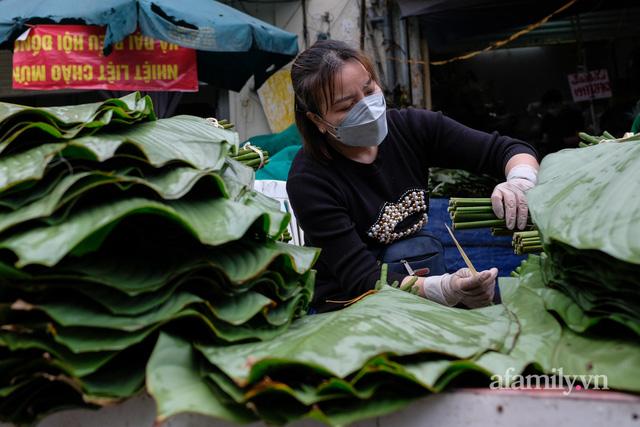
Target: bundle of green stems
{"points": [[226, 124], [251, 157], [588, 140], [467, 213], [525, 242], [470, 213]]}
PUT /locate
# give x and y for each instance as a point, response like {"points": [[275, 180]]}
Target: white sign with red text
{"points": [[590, 85]]}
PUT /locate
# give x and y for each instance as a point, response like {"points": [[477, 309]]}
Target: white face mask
{"points": [[366, 123]]}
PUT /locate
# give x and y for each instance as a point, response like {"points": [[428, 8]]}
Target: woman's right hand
{"points": [[472, 290], [460, 287]]}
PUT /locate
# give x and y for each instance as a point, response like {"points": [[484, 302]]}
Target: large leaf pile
{"points": [[555, 343], [139, 255], [367, 359], [587, 208], [379, 354], [110, 234], [21, 123]]}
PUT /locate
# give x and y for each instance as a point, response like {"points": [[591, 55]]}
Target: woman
{"points": [[358, 186]]}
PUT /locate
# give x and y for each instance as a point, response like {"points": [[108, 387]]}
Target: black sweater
{"points": [[349, 209]]}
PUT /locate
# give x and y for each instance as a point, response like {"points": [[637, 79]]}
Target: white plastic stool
{"points": [[278, 190]]}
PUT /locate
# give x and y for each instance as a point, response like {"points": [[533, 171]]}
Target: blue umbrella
{"points": [[232, 46]]}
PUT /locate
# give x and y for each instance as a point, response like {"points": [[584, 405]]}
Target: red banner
{"points": [[70, 57]]}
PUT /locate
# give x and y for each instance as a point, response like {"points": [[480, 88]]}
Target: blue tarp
{"points": [[231, 45], [282, 147], [279, 164]]}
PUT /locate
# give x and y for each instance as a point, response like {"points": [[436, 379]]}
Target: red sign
{"points": [[590, 85], [70, 57]]}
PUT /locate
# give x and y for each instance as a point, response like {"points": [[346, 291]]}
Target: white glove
{"points": [[508, 198], [460, 287]]}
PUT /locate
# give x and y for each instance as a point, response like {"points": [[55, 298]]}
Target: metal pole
{"points": [[363, 17], [404, 78], [416, 64], [427, 71], [391, 48], [305, 31], [582, 67], [372, 19]]}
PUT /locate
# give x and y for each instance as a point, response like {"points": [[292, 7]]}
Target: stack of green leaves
{"points": [[378, 355], [390, 347], [369, 358], [111, 235], [586, 208], [558, 337], [19, 122]]}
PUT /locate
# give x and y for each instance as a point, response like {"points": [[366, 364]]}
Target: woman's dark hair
{"points": [[313, 76]]}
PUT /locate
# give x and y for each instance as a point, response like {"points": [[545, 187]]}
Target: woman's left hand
{"points": [[508, 198]]}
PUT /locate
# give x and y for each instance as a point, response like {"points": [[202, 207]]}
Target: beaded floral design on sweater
{"points": [[412, 202]]}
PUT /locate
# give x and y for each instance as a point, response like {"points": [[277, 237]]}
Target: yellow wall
{"points": [[276, 97]]}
